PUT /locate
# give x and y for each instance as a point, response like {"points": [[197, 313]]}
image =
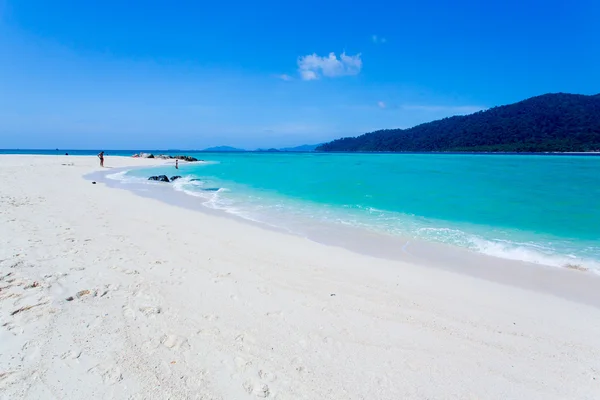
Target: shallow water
{"points": [[541, 209]]}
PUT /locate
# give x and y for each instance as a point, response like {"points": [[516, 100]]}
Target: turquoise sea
{"points": [[542, 209]]}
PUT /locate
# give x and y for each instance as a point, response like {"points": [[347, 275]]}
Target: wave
{"points": [[211, 194], [119, 176], [126, 177], [513, 251], [288, 214], [532, 252]]}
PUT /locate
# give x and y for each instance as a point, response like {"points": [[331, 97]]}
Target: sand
{"points": [[105, 294]]}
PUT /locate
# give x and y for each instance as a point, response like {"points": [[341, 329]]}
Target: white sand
{"points": [[187, 305]]}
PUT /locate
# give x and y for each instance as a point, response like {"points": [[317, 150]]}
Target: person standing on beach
{"points": [[101, 157], [176, 164]]}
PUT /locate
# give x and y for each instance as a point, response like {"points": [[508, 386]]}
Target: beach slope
{"points": [[105, 294]]}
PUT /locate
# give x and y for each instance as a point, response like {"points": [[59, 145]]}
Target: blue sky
{"points": [[191, 74]]}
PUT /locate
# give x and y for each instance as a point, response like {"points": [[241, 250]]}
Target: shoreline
{"points": [[561, 281], [107, 294]]}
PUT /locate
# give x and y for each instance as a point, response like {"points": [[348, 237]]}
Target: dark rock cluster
{"points": [[167, 157], [164, 178]]}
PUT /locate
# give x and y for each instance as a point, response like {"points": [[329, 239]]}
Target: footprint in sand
{"points": [[84, 294], [130, 272], [151, 311], [174, 342], [10, 295], [218, 278], [241, 364], [12, 328], [113, 287], [110, 374], [31, 351], [256, 388], [297, 363], [128, 312], [244, 338], [71, 355], [209, 331], [8, 378], [264, 290], [266, 376]]}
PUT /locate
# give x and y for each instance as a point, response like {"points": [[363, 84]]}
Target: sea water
{"points": [[542, 209]]}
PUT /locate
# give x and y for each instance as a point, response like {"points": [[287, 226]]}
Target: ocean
{"points": [[540, 209]]}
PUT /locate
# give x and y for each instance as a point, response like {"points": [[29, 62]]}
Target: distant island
{"points": [[302, 148], [223, 148], [558, 122]]}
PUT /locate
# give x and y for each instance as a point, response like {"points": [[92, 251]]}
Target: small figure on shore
{"points": [[176, 164], [101, 157]]}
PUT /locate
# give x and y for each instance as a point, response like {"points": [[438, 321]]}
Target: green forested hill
{"points": [[551, 122]]}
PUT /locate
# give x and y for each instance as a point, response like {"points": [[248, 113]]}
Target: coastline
{"points": [[572, 284], [193, 304]]}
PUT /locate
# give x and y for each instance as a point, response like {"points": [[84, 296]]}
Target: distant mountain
{"points": [[223, 148], [552, 122], [304, 147]]}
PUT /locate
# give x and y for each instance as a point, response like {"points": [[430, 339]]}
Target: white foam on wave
{"points": [[258, 209], [532, 252], [119, 176], [212, 196], [123, 176]]}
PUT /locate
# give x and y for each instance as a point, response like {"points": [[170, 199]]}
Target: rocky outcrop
{"points": [[186, 158], [159, 178], [164, 178], [167, 157]]}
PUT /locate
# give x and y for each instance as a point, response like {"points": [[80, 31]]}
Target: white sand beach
{"points": [[108, 295]]}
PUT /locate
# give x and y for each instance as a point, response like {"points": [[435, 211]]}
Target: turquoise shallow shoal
{"points": [[544, 209]]}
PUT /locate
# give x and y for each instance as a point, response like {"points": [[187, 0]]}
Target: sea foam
{"points": [[489, 205]]}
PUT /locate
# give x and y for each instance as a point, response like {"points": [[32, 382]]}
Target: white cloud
{"points": [[381, 104], [378, 39], [308, 75], [285, 77], [312, 66]]}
